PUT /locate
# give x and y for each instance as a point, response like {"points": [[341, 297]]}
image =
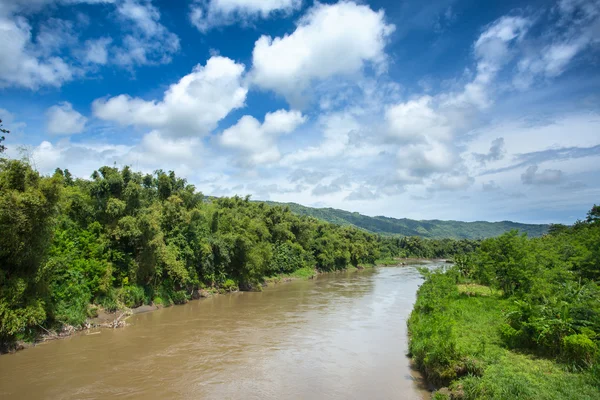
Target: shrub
{"points": [[512, 337], [179, 297], [158, 301], [109, 301], [579, 350], [131, 296], [230, 286]]}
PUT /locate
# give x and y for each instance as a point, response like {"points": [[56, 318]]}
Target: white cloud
{"points": [[493, 51], [496, 152], [362, 193], [577, 29], [423, 159], [208, 14], [96, 50], [322, 190], [336, 129], [426, 127], [20, 65], [149, 42], [258, 142], [191, 107], [64, 120], [329, 41], [453, 182], [416, 121], [546, 177], [46, 58]]}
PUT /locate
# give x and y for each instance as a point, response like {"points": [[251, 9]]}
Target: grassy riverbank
{"points": [[517, 319], [456, 342]]}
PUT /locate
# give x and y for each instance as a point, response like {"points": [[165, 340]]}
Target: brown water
{"points": [[340, 336]]}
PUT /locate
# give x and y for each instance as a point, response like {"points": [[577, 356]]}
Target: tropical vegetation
{"points": [[517, 318]]}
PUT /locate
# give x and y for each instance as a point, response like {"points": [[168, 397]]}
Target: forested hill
{"points": [[410, 227]]}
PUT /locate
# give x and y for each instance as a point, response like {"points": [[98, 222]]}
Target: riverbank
{"points": [[118, 318], [456, 342], [345, 333]]}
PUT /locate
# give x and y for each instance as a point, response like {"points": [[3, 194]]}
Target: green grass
{"points": [[473, 289], [387, 261], [455, 340], [301, 273]]}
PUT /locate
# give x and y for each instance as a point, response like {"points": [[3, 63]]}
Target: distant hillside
{"points": [[410, 227]]}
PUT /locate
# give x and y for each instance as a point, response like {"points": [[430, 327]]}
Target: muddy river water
{"points": [[339, 336]]}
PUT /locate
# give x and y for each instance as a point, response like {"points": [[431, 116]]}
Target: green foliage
{"points": [[543, 300], [179, 297], [131, 296], [230, 286], [579, 350]]}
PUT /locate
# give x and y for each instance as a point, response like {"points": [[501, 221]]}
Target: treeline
{"points": [[124, 238], [535, 296], [418, 247]]}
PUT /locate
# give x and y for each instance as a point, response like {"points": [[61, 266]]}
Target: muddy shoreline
{"points": [[118, 319]]}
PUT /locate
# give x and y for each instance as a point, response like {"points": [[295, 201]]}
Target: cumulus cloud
{"points": [[96, 50], [62, 119], [149, 42], [416, 121], [426, 127], [80, 158], [190, 107], [21, 64], [496, 152], [256, 142], [531, 176], [452, 182], [336, 129], [329, 41], [207, 14]]}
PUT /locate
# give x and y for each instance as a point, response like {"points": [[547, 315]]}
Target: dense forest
{"points": [[123, 238], [434, 229], [518, 318]]}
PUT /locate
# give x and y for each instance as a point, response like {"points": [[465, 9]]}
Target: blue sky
{"points": [[443, 109]]}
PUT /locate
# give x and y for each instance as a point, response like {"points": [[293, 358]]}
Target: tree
{"points": [[27, 209], [593, 216], [3, 131]]}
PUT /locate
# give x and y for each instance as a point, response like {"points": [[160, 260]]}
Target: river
{"points": [[339, 336]]}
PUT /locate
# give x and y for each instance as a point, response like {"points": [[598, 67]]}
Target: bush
{"points": [[131, 296], [179, 297], [512, 337], [230, 286], [71, 298], [109, 301], [579, 350]]}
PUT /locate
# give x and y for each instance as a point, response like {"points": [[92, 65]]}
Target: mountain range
{"points": [[434, 229]]}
